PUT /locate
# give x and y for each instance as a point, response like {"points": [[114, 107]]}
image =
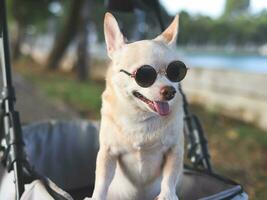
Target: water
{"points": [[248, 63]]}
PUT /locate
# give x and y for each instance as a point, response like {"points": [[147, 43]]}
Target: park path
{"points": [[34, 106]]}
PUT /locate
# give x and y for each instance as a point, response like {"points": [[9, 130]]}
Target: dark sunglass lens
{"points": [[176, 71], [145, 76]]}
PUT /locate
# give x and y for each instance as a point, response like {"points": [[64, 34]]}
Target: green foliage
{"points": [[239, 30], [30, 12], [36, 13], [236, 7], [235, 27]]}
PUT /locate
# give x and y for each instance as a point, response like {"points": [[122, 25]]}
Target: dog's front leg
{"points": [[105, 169], [172, 169]]}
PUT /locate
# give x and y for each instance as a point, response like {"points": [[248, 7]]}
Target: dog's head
{"points": [[146, 92]]}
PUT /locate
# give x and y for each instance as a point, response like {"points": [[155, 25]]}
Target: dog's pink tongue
{"points": [[162, 107]]}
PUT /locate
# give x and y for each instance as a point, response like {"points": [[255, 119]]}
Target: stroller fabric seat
{"points": [[65, 152]]}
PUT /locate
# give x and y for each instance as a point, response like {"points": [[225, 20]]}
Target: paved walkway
{"points": [[34, 106]]}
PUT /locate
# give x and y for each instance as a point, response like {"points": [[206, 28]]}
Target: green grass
{"points": [[238, 150], [84, 97]]}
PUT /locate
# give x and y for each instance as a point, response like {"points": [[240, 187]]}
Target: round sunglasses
{"points": [[146, 75]]}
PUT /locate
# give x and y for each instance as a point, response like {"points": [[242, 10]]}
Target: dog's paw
{"points": [[167, 196]]}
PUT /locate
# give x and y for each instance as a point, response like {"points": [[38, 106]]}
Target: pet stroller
{"points": [[56, 159]]}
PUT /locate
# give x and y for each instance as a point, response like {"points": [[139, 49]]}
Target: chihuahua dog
{"points": [[141, 131]]}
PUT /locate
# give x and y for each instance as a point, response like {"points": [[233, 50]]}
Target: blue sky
{"points": [[213, 8]]}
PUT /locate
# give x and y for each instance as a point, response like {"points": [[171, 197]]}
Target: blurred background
{"points": [[59, 62]]}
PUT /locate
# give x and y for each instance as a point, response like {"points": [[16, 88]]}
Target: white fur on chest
{"points": [[139, 137], [142, 156], [139, 167], [143, 165]]}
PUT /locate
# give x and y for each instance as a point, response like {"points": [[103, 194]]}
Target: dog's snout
{"points": [[167, 93]]}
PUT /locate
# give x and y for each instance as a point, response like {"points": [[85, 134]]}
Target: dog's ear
{"points": [[169, 36], [113, 36]]}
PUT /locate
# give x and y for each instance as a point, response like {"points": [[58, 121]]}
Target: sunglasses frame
{"points": [[161, 72]]}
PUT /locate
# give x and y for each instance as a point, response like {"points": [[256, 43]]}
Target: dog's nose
{"points": [[167, 93]]}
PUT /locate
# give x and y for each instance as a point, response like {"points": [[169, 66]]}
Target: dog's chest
{"points": [[141, 148], [143, 164]]}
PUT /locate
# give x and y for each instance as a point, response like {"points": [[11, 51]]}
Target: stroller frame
{"points": [[11, 134], [9, 118]]}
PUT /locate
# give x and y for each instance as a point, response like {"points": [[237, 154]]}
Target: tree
{"points": [[25, 13], [236, 7], [20, 26], [83, 57], [66, 34]]}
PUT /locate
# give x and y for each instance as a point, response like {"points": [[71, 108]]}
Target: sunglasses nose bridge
{"points": [[161, 72]]}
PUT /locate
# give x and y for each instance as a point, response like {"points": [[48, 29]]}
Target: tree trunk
{"points": [[83, 56], [17, 40], [18, 37], [65, 36]]}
